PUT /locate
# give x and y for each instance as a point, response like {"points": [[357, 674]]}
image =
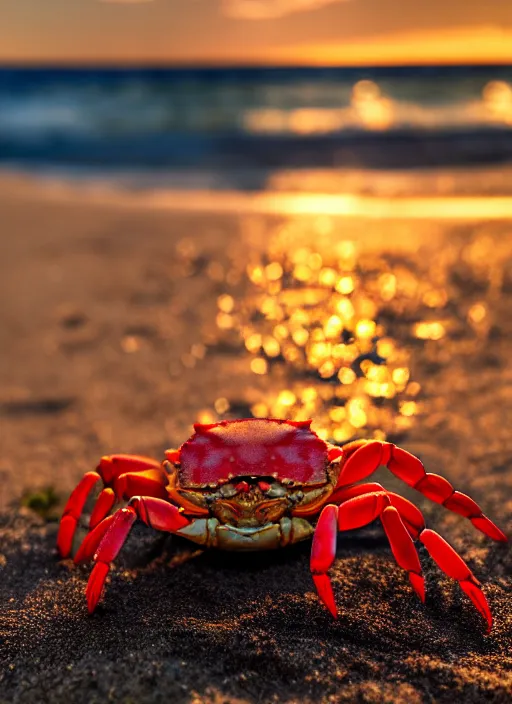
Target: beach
{"points": [[116, 336]]}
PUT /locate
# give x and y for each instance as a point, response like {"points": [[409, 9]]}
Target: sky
{"points": [[344, 32]]}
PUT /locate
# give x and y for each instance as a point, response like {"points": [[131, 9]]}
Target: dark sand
{"points": [[99, 310]]}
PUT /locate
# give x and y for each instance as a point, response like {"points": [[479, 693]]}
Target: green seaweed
{"points": [[44, 502]]}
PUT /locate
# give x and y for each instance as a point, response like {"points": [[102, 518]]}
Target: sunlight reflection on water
{"points": [[369, 108], [334, 331]]}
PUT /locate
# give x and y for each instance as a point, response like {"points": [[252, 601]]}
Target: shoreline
{"points": [[284, 197]]}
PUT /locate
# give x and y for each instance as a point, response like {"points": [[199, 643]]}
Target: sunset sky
{"points": [[256, 31]]}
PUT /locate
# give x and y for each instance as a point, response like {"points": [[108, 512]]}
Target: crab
{"points": [[259, 484]]}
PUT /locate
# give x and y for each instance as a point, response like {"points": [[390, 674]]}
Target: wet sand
{"points": [[109, 342]]}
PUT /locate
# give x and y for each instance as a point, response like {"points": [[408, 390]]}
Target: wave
{"points": [[260, 118]]}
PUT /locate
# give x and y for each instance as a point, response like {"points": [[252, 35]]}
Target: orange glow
{"points": [[427, 208], [374, 110], [497, 97], [324, 32], [464, 45]]}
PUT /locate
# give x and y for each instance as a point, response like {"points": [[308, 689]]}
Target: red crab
{"points": [[258, 484]]}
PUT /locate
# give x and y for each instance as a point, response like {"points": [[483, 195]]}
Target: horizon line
{"points": [[210, 64]]}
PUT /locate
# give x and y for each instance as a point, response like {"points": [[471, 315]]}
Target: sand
{"points": [[108, 342]]}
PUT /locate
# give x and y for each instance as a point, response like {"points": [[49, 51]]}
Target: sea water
{"points": [[232, 127]]}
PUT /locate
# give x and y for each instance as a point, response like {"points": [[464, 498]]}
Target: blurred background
{"points": [[224, 208]]}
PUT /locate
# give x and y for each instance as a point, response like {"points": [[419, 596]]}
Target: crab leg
{"points": [[448, 559], [411, 520], [363, 457], [403, 549], [454, 566], [123, 476], [355, 513], [90, 543], [156, 513], [73, 511], [411, 516], [323, 552], [349, 492]]}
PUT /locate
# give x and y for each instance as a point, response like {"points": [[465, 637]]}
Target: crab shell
{"points": [[249, 473]]}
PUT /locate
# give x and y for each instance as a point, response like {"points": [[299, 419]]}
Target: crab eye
{"points": [[264, 486]]}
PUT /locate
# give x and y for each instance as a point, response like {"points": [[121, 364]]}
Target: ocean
{"points": [[232, 128]]}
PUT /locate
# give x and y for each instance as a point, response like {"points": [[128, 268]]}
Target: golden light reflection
{"points": [[221, 405], [497, 97], [477, 313], [259, 366], [225, 303], [373, 109], [368, 109], [331, 332], [317, 317], [429, 331]]}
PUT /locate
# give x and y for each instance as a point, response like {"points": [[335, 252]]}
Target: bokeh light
{"points": [[333, 332]]}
